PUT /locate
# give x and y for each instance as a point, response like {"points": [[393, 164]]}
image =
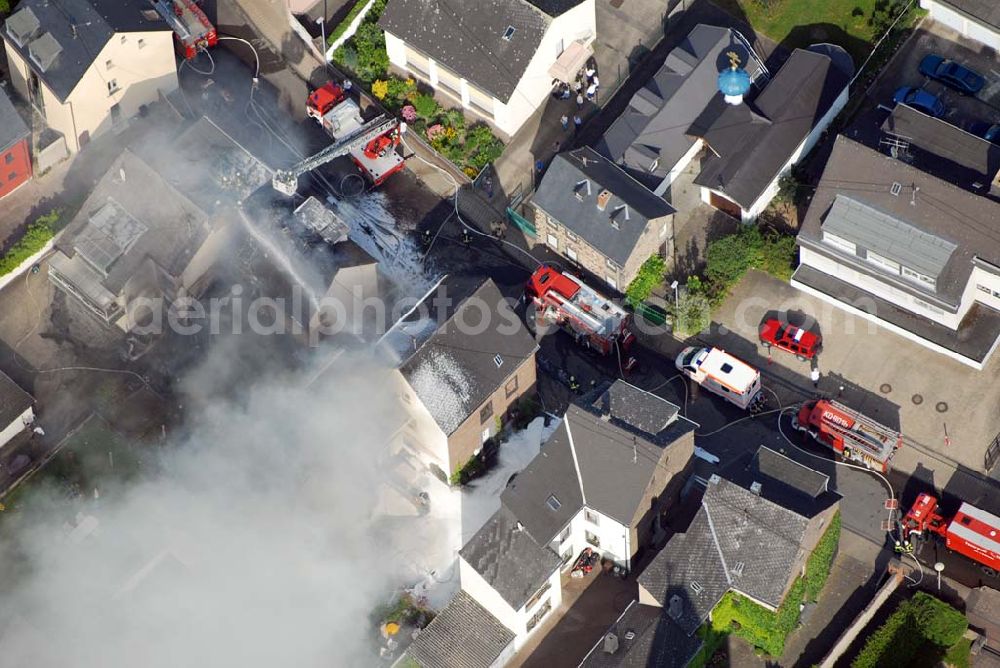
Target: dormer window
{"points": [[508, 33]]}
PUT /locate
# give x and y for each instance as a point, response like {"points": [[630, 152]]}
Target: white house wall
{"points": [[614, 538], [536, 83], [679, 167], [579, 23], [478, 588], [17, 426], [959, 22], [422, 436]]}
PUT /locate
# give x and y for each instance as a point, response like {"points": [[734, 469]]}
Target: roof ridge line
{"points": [[715, 540], [576, 462]]}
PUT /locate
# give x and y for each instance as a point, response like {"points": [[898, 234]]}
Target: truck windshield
{"points": [[688, 360]]}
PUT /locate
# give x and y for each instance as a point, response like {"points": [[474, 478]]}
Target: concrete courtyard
{"points": [[941, 406]]}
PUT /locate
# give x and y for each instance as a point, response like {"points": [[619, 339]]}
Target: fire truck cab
{"points": [[724, 375], [973, 532]]}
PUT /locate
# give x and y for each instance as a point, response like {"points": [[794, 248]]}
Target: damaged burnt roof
{"points": [[456, 350]]}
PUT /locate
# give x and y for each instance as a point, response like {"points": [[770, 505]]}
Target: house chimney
{"points": [[755, 487], [603, 198], [675, 608], [610, 643]]}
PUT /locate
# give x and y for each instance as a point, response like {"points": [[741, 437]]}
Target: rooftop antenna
{"points": [[913, 194]]}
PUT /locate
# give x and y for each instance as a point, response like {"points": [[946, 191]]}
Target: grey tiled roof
{"points": [[454, 369], [657, 122], [509, 559], [750, 147], [572, 203], [81, 28], [617, 458], [938, 208], [657, 643], [463, 635], [467, 37], [12, 127], [944, 140], [986, 11], [737, 540], [13, 400], [555, 8]]}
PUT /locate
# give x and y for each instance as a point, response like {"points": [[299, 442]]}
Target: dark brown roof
{"points": [[13, 400]]}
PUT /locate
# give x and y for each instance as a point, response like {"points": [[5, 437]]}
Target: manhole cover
{"points": [[917, 399], [941, 407], [885, 388]]}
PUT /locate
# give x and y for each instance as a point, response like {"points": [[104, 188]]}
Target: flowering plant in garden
{"points": [[436, 130], [409, 113], [380, 88]]}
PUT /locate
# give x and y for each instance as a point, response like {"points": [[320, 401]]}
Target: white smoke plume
{"points": [[254, 545]]}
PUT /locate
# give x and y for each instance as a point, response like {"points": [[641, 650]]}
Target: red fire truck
{"points": [[192, 29], [972, 532], [341, 117], [593, 320], [847, 432]]}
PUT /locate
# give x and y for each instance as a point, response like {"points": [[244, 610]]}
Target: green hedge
{"points": [[650, 275], [768, 630], [364, 53], [343, 25], [729, 258], [35, 237], [924, 628]]}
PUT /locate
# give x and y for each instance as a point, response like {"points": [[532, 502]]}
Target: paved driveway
{"points": [[891, 379]]}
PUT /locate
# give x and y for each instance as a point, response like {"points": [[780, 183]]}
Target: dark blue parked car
{"points": [[952, 74], [990, 133], [920, 100]]}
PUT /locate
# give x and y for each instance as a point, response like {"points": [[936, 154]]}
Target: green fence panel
{"points": [[522, 223]]}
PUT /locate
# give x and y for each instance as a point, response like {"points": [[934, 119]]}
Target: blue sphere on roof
{"points": [[734, 82]]}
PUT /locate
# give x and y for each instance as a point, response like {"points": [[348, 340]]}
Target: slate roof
{"points": [[941, 210], [463, 635], [81, 28], [737, 540], [467, 37], [616, 456], [944, 140], [509, 559], [13, 400], [555, 8], [783, 481], [12, 127], [752, 145], [658, 641], [454, 371], [656, 124], [563, 197], [986, 11]]}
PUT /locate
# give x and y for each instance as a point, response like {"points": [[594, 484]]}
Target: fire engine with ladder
{"points": [[972, 532], [193, 31], [592, 319], [371, 145], [847, 432]]}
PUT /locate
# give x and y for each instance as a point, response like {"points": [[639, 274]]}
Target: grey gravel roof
{"points": [[941, 209], [986, 11], [757, 145], [13, 400], [12, 127], [467, 37], [454, 370], [943, 140], [737, 540], [93, 22], [563, 196], [657, 122], [658, 642], [509, 559], [888, 236], [616, 456], [463, 635]]}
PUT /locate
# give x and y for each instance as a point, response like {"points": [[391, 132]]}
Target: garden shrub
{"points": [[728, 259], [940, 623], [650, 275], [35, 237], [426, 106]]}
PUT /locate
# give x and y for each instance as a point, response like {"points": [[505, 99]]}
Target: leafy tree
{"points": [[940, 623]]}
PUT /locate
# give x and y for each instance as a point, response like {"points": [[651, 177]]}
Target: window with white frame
{"points": [[610, 280], [917, 277], [553, 223], [592, 538], [571, 236], [883, 262], [612, 265], [571, 254], [552, 241], [537, 617], [933, 309], [563, 535], [591, 517], [986, 289], [841, 243]]}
